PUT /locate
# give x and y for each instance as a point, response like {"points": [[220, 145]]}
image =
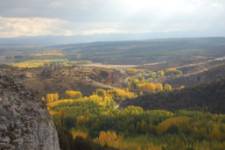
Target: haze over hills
{"points": [[143, 52], [136, 52]]}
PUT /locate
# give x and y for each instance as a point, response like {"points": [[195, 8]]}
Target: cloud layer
{"points": [[32, 26], [105, 17]]}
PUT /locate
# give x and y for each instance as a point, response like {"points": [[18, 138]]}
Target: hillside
{"points": [[51, 78], [175, 51], [209, 97], [201, 73]]}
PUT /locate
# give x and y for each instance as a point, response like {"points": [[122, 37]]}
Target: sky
{"points": [[111, 19]]}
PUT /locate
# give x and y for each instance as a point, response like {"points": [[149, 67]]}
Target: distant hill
{"points": [[141, 52], [173, 51], [210, 97]]}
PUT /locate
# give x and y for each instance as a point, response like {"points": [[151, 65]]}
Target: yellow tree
{"points": [[122, 93], [73, 94], [148, 87], [108, 138], [168, 88], [133, 110], [158, 87], [51, 97]]}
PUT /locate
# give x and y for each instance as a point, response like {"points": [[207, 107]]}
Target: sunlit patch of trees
{"points": [[151, 87], [154, 87], [167, 88], [102, 101], [73, 94], [37, 63], [146, 76], [109, 138], [140, 86], [121, 94], [31, 64], [52, 97], [100, 96], [133, 110]]}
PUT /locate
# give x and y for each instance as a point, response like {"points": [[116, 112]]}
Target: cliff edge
{"points": [[24, 120]]}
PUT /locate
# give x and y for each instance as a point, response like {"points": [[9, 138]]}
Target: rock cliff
{"points": [[24, 120]]}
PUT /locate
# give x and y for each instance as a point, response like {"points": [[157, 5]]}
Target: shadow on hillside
{"points": [[68, 143]]}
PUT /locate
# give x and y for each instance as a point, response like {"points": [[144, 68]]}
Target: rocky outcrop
{"points": [[24, 120]]}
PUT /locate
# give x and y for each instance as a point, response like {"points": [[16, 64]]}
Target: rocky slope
{"points": [[24, 121]]}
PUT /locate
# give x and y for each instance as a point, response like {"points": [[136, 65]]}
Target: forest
{"points": [[96, 122]]}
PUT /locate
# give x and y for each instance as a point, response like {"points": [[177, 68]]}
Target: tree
{"points": [[102, 101], [216, 133], [133, 110], [158, 87], [73, 94], [51, 97], [101, 92], [121, 94], [108, 138], [148, 87], [81, 120], [168, 88], [161, 73]]}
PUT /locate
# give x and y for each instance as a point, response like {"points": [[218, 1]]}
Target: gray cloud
{"points": [[96, 17]]}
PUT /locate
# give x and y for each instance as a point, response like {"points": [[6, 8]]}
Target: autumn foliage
{"points": [[52, 97], [109, 138], [73, 94]]}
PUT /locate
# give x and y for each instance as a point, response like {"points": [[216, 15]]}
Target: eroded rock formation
{"points": [[24, 121]]}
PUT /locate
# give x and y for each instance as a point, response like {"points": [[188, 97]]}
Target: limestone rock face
{"points": [[24, 120]]}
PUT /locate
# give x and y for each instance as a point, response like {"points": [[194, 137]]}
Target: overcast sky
{"points": [[90, 18]]}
